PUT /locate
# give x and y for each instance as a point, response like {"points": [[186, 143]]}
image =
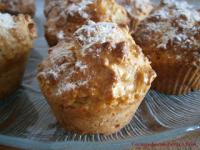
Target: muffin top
{"points": [[96, 10], [171, 32], [18, 6], [17, 35], [101, 64], [137, 9], [64, 17]]}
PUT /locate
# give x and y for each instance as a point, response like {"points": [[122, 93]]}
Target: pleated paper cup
{"points": [[176, 79]]}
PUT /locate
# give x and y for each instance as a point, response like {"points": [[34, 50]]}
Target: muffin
{"points": [[18, 7], [137, 10], [170, 38], [95, 81], [65, 17], [17, 34]]}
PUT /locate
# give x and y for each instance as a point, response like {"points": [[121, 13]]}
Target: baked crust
{"points": [[17, 35], [137, 10], [64, 17], [170, 37], [100, 69], [18, 7]]}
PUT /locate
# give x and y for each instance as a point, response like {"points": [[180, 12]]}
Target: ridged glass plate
{"points": [[27, 122]]}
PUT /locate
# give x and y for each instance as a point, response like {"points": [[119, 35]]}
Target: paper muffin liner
{"points": [[176, 80], [11, 74]]}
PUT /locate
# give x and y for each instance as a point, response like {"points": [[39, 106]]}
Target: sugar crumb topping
{"points": [[61, 35], [100, 33], [6, 21], [136, 8], [179, 15], [79, 7], [64, 87], [64, 55], [87, 35], [81, 72], [181, 9], [80, 65]]}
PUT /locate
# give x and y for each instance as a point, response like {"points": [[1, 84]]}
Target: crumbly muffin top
{"points": [[17, 35], [83, 9], [174, 30], [101, 64], [6, 21], [71, 7], [93, 33], [65, 17], [18, 6], [138, 9]]}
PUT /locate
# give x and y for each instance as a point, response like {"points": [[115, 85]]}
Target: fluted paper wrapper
{"points": [[176, 80]]}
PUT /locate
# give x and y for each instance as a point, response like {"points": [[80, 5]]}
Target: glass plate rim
{"points": [[76, 145]]}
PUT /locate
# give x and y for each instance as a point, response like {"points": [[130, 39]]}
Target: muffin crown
{"points": [[6, 21], [99, 65], [18, 6], [65, 17], [17, 35], [96, 10], [104, 32], [137, 8], [174, 29]]}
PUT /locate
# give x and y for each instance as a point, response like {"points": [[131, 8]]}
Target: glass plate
{"points": [[27, 122]]}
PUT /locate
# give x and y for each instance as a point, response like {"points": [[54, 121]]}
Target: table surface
{"points": [[189, 142]]}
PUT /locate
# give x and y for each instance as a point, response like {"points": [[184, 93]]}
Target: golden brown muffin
{"points": [[18, 7], [170, 38], [137, 10], [95, 82], [64, 17], [16, 40]]}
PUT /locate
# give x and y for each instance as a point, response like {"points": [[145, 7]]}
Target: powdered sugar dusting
{"points": [[181, 9], [179, 15], [54, 73], [80, 65], [6, 21], [61, 35], [137, 8], [66, 87], [101, 32], [170, 35], [64, 65], [79, 8]]}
